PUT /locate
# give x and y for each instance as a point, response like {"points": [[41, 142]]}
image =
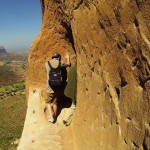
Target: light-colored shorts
{"points": [[52, 97]]}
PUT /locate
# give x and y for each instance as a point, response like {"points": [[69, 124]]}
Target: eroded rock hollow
{"points": [[112, 42]]}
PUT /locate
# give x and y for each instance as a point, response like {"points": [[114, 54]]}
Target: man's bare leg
{"points": [[51, 113], [55, 109]]}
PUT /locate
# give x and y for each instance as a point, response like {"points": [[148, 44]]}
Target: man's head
{"points": [[56, 56]]}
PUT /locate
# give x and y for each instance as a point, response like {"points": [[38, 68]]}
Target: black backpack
{"points": [[55, 77]]}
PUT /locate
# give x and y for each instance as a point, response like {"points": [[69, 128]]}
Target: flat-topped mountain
{"points": [[2, 50]]}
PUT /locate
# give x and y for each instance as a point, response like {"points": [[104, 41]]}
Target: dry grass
{"points": [[12, 110]]}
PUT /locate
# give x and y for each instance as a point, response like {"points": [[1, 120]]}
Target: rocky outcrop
{"points": [[112, 42], [2, 50]]}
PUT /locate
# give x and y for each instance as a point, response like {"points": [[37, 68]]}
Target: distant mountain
{"points": [[19, 51], [7, 57], [2, 50]]}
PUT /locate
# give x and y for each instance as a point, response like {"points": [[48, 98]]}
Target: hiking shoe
{"points": [[51, 120]]}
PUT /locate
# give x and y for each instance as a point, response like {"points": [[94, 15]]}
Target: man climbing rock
{"points": [[53, 86]]}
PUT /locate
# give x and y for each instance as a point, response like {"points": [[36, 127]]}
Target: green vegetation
{"points": [[12, 72], [12, 98], [13, 88], [12, 116], [13, 68], [10, 90], [7, 76], [19, 86]]}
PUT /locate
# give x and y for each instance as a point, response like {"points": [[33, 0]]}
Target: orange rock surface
{"points": [[111, 39]]}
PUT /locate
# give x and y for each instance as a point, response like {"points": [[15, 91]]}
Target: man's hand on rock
{"points": [[67, 56]]}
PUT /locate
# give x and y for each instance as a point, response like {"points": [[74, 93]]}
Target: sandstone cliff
{"points": [[112, 42]]}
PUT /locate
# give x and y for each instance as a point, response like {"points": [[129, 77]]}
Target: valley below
{"points": [[12, 98]]}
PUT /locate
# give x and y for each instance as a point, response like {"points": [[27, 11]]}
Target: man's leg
{"points": [[55, 109], [51, 117], [51, 113], [58, 96]]}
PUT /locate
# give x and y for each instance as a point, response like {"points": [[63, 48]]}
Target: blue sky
{"points": [[20, 23]]}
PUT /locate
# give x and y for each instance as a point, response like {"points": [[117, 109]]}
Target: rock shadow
{"points": [[64, 102]]}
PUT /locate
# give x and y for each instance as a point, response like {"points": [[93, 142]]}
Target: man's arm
{"points": [[68, 60], [47, 70]]}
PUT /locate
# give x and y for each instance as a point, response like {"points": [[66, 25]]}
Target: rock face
{"points": [[112, 42], [2, 50]]}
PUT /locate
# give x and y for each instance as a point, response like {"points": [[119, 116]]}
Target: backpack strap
{"points": [[50, 65], [59, 66]]}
